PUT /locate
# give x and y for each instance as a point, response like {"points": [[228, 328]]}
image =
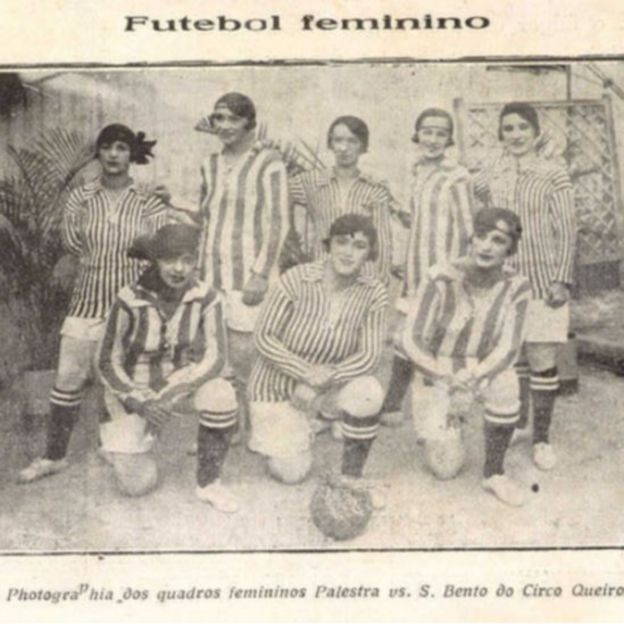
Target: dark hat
{"points": [[169, 241], [140, 149], [490, 218], [351, 223]]}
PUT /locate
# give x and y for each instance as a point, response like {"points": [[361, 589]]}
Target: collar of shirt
{"points": [[142, 297], [446, 163], [326, 176], [95, 186], [314, 271]]}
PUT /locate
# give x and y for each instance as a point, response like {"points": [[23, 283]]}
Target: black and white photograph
{"points": [[364, 305]]}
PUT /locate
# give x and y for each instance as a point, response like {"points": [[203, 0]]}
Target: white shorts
{"points": [[238, 316], [84, 328], [281, 430], [546, 324], [431, 403], [126, 432]]}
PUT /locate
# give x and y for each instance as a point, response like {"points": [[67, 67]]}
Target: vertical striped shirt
{"points": [[146, 355], [100, 233], [245, 207], [301, 325], [319, 192], [451, 321], [441, 220], [541, 194]]}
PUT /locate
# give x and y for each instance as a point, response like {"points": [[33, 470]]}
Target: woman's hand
{"points": [[156, 414], [319, 376], [255, 289], [558, 295]]}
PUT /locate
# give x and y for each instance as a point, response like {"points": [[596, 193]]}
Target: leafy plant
{"points": [[31, 203]]}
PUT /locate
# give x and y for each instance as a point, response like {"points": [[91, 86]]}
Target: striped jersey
{"points": [[450, 319], [541, 194], [100, 232], [441, 219], [245, 208], [320, 193], [147, 354], [301, 324]]}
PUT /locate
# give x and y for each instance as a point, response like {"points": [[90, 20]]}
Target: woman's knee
{"points": [[136, 473], [445, 456], [216, 395], [291, 470], [362, 397]]}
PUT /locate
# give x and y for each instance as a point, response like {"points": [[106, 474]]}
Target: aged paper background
{"points": [[56, 34]]}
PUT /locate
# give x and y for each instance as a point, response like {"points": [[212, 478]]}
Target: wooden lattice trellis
{"points": [[580, 132]]}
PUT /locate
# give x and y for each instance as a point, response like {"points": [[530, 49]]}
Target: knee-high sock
{"points": [[544, 387], [400, 378], [358, 436], [497, 438], [213, 440], [524, 375], [64, 408]]}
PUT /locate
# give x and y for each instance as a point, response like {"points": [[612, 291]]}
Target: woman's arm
{"points": [[189, 378], [274, 318], [423, 314], [112, 355], [370, 342], [71, 223], [507, 348]]}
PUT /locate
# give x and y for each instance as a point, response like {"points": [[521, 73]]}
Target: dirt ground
{"points": [[578, 504]]}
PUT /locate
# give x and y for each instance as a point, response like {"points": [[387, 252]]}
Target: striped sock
{"points": [[359, 434], [497, 438], [524, 375], [544, 387], [64, 409], [400, 379], [213, 440]]}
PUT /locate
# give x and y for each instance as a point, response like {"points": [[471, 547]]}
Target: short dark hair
{"points": [[140, 149], [522, 109], [169, 241], [356, 125], [240, 105], [351, 223], [487, 219], [434, 112]]}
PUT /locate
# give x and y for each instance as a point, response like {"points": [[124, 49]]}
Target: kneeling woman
{"points": [[162, 354], [464, 333], [320, 337]]}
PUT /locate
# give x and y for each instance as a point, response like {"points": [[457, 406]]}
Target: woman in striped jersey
{"points": [[100, 222], [539, 191], [320, 338], [440, 226], [328, 193], [244, 205], [464, 332], [162, 353]]}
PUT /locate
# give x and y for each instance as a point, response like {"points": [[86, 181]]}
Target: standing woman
{"points": [[244, 207], [100, 221], [539, 191], [440, 227], [327, 194]]}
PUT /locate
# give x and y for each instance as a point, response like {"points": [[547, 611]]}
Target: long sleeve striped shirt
{"points": [[100, 233], [451, 322], [319, 192], [301, 325], [541, 194], [245, 210], [145, 354], [441, 219]]}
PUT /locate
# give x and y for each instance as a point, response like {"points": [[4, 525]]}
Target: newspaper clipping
{"points": [[311, 312]]}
